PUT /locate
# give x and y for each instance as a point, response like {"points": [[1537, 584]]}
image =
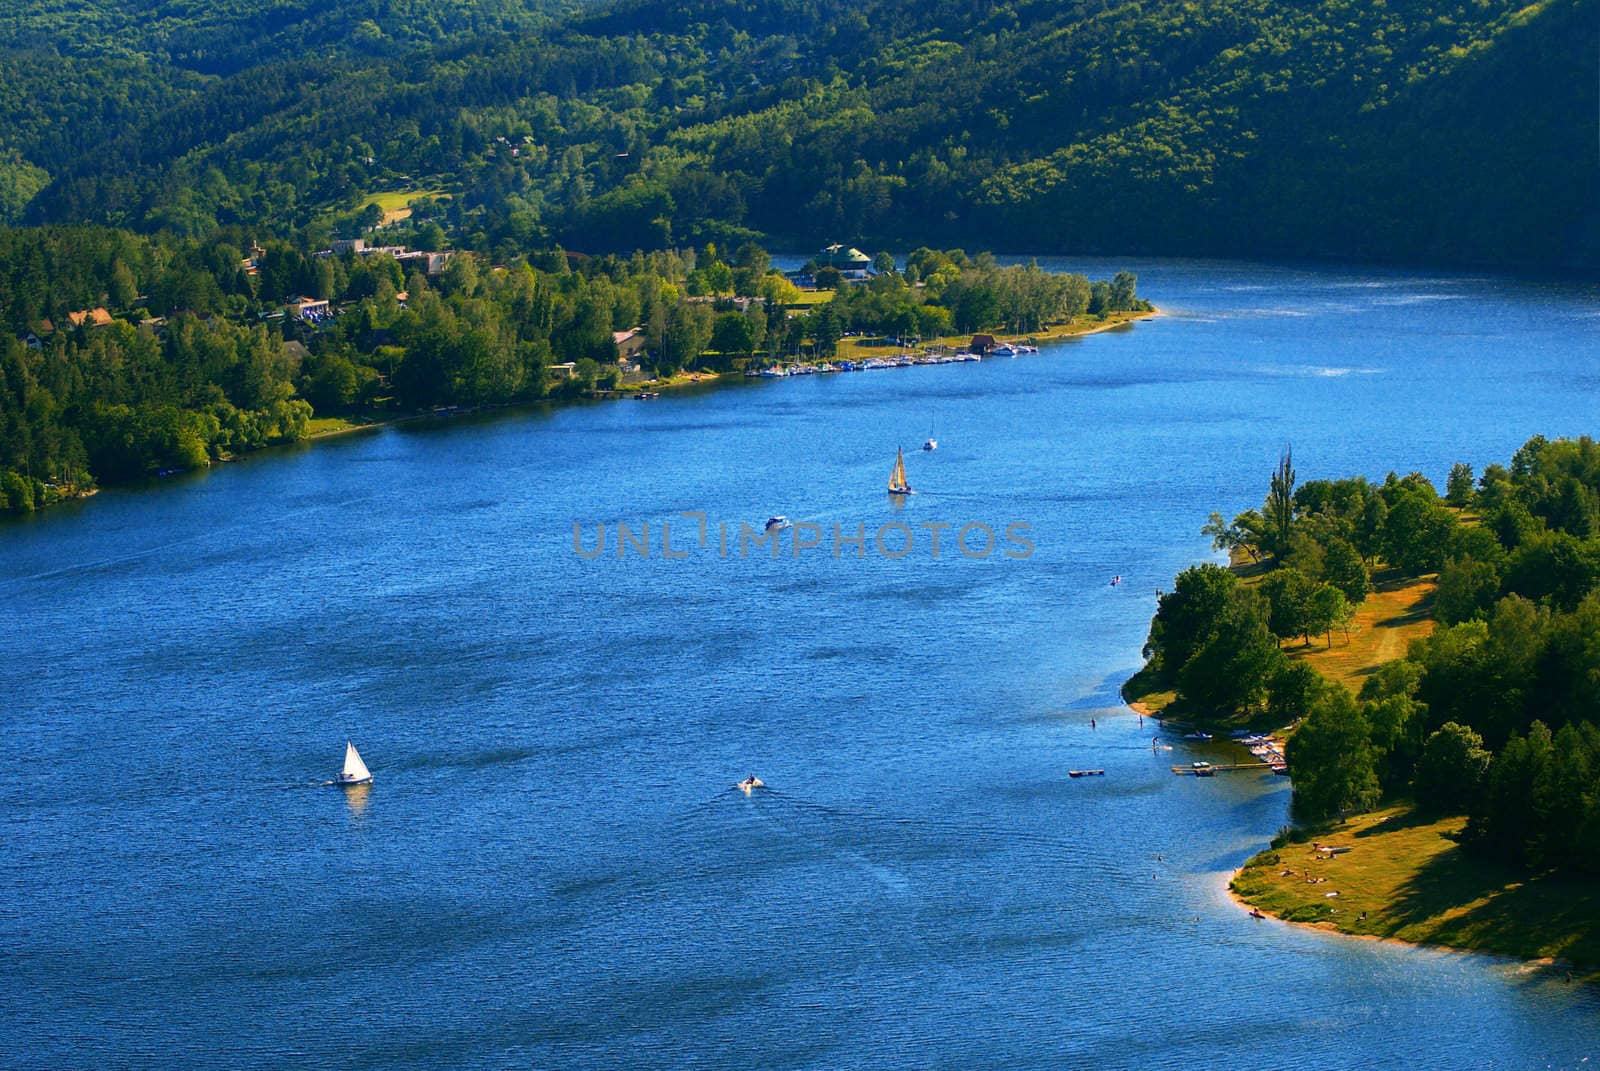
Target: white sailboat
{"points": [[897, 478], [355, 771]]}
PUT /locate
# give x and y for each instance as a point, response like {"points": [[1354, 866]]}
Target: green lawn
{"points": [[1398, 612], [394, 202], [334, 425], [1412, 880]]}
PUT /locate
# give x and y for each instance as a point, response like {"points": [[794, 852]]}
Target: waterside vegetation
{"points": [[1487, 718], [128, 356]]}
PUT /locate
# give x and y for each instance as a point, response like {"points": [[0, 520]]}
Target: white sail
{"points": [[354, 769]]}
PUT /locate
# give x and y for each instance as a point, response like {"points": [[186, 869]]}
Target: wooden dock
{"points": [[1180, 770]]}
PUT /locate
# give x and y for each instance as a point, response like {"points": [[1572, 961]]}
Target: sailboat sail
{"points": [[897, 478], [354, 768]]}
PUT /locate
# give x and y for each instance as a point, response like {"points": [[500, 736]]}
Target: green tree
{"points": [[1326, 610], [1288, 593], [1332, 758], [1343, 568], [1417, 532], [1451, 770], [1279, 510], [1235, 536], [1292, 690], [1228, 675], [1467, 589], [1458, 486], [1186, 616], [733, 335]]}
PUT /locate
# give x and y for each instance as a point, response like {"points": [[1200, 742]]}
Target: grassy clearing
{"points": [[1410, 879], [1398, 612], [851, 349], [396, 203], [320, 427]]}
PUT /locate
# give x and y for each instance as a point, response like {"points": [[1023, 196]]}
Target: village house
{"points": [[89, 317], [564, 370], [628, 343]]}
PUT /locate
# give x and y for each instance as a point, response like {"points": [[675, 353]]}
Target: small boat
{"points": [[1005, 349], [646, 395], [931, 444], [1204, 769], [1255, 913], [1281, 770], [750, 784], [1086, 773], [897, 478], [778, 523], [1116, 580], [355, 771], [1197, 735]]}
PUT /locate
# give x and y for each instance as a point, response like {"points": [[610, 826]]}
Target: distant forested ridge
{"points": [[1456, 131]]}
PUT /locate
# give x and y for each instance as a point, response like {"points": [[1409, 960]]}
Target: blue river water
{"points": [[551, 868]]}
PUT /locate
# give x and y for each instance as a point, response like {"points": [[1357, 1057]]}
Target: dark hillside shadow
{"points": [[1409, 818], [1517, 915]]}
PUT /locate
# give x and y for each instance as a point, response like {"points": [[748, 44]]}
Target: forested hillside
{"points": [[1492, 715], [1457, 131]]}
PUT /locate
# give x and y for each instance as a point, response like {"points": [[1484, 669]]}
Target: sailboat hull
{"points": [[343, 780], [901, 491]]}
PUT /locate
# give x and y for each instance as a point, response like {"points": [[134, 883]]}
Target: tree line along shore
{"points": [[130, 356], [1435, 662]]}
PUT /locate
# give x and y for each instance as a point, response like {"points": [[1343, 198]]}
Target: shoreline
{"points": [[1334, 929], [1384, 858], [675, 382]]}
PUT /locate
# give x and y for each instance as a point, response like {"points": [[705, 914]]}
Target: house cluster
{"points": [[413, 259], [42, 329]]}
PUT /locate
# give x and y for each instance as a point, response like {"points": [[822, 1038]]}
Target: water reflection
{"points": [[356, 797]]}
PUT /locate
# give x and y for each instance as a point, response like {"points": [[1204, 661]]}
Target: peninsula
{"points": [[1431, 660]]}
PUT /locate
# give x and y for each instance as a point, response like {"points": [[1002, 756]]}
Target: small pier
{"points": [[1223, 766]]}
